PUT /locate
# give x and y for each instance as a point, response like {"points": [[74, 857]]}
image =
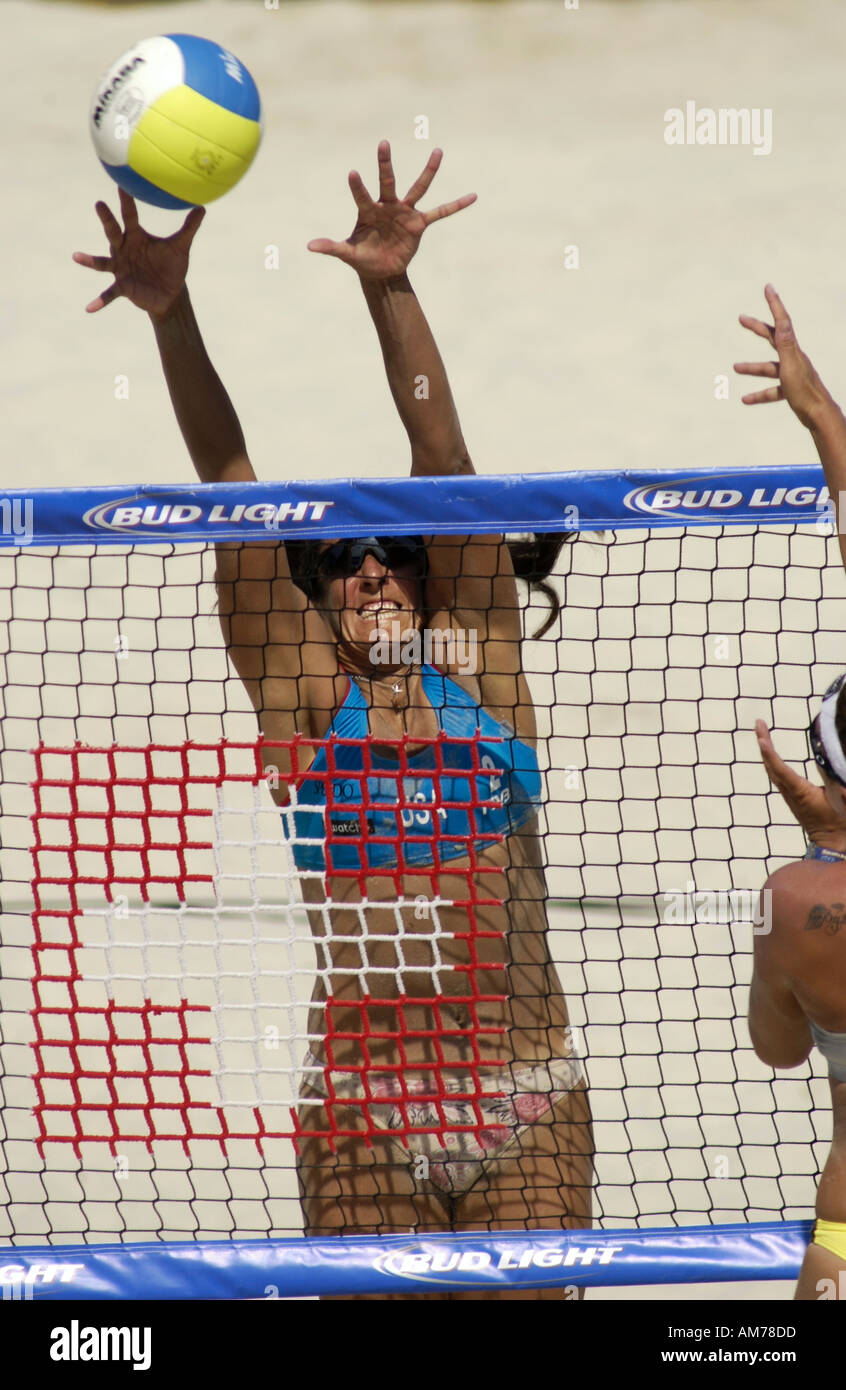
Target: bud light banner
{"points": [[301, 1268], [459, 505]]}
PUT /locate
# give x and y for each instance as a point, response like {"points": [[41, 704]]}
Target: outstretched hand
{"points": [[798, 381], [387, 233], [808, 802], [149, 271]]}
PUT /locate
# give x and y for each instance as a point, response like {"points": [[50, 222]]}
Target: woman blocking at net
{"points": [[443, 1091], [798, 992]]}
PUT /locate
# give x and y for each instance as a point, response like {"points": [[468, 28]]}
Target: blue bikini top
{"points": [[355, 809]]}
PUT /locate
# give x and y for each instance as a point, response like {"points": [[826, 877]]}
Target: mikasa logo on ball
{"points": [[108, 93], [231, 64]]}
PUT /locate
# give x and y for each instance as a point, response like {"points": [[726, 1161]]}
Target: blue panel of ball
{"points": [[207, 71], [137, 187]]}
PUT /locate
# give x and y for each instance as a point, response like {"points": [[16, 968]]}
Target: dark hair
{"points": [[532, 556], [302, 562]]}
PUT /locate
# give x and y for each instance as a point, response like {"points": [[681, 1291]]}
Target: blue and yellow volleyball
{"points": [[176, 121]]}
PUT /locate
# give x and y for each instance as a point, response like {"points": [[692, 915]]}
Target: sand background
{"points": [[555, 117]]}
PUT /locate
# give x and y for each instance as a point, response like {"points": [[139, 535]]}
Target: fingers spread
{"points": [[190, 227], [774, 300], [418, 188], [111, 226], [128, 210], [447, 209], [103, 299], [774, 393], [324, 247], [764, 330], [92, 262], [756, 368], [363, 200], [784, 334], [387, 182]]}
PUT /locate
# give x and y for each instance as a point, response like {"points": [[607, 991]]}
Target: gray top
{"points": [[833, 1048]]}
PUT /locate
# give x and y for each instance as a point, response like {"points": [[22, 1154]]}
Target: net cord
{"points": [[503, 503], [345, 1265]]}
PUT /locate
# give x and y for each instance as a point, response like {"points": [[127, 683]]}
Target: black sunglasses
{"points": [[815, 743], [346, 557]]}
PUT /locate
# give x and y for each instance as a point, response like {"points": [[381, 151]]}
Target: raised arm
{"points": [[385, 238], [799, 384], [150, 272], [265, 618], [470, 578], [417, 378], [204, 412]]}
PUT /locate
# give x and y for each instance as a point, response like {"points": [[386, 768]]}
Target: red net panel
{"points": [[128, 1044]]}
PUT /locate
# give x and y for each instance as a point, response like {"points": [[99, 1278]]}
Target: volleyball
{"points": [[176, 121]]}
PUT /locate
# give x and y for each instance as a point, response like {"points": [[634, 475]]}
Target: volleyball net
{"points": [[166, 1056]]}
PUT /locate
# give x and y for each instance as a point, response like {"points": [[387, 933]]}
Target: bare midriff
{"points": [[484, 966]]}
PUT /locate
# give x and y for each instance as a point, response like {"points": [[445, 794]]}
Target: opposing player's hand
{"points": [[808, 802], [797, 380], [149, 271], [387, 233]]}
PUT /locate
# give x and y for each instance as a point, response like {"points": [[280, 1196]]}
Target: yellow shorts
{"points": [[831, 1235]]}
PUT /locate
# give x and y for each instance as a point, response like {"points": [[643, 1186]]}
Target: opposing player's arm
{"points": [[798, 382], [778, 1026], [829, 436]]}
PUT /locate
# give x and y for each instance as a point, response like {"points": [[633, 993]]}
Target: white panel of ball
{"points": [[136, 80]]}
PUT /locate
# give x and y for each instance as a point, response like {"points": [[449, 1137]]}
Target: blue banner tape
{"points": [[455, 505], [405, 1264]]}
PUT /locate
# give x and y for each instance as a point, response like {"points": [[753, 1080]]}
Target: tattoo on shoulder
{"points": [[827, 917]]}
